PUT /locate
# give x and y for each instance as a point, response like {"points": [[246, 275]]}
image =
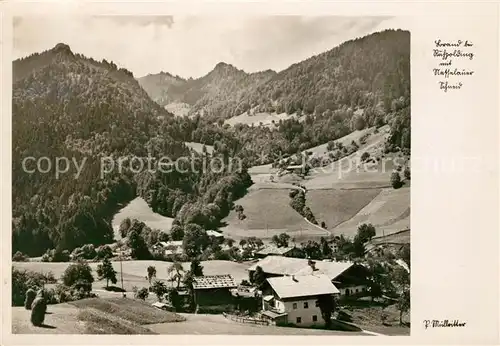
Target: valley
{"points": [[308, 163]]}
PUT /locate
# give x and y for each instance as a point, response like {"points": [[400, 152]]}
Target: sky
{"points": [[192, 46]]}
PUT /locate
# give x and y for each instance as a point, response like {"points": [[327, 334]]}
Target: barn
{"points": [[213, 290]]}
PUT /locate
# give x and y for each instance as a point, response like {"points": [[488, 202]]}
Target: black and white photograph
{"points": [[237, 175]]}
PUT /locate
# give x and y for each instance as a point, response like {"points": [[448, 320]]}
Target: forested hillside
{"points": [[66, 105], [371, 74], [218, 92], [358, 73]]}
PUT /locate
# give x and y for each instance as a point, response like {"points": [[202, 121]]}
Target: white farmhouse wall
{"points": [[353, 289], [305, 314]]}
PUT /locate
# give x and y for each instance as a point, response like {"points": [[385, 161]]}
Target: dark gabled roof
{"points": [[214, 281]]}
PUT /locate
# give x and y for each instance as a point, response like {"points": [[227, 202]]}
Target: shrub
{"points": [[23, 280], [407, 173], [30, 297], [51, 297], [245, 283], [395, 180], [63, 293], [143, 293], [365, 156], [104, 251], [55, 255], [79, 276], [19, 257]]}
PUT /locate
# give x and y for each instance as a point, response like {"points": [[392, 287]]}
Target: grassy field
{"points": [[350, 172], [95, 316], [336, 206], [134, 272], [179, 109], [346, 140], [267, 208], [268, 212], [398, 238], [344, 194], [388, 212], [265, 118], [140, 210]]}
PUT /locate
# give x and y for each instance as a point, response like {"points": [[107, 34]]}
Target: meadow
{"points": [[140, 210], [134, 272]]}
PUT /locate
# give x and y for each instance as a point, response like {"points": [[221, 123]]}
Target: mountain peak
{"points": [[63, 48], [222, 66]]}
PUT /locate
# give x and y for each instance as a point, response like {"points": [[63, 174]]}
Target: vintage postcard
{"points": [[252, 173]]}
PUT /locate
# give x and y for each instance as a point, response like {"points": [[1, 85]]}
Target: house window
{"points": [[306, 305], [294, 306], [299, 320], [317, 303], [315, 318], [357, 290]]}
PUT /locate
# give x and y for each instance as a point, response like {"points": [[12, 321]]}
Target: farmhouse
{"points": [[297, 169], [349, 278], [289, 251], [294, 299], [213, 290], [215, 234], [169, 248]]}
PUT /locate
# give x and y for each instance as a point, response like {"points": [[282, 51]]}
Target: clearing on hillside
{"points": [[346, 140], [336, 206], [140, 210], [265, 118], [179, 109], [351, 172], [268, 212], [389, 212]]}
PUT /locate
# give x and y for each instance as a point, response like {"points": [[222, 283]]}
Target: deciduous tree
{"points": [[106, 271]]}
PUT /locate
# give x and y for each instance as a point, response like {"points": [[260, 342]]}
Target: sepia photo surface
{"points": [[206, 175], [240, 173]]}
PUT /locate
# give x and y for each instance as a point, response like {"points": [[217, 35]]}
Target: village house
{"points": [[348, 277], [289, 251], [294, 299], [297, 169], [173, 247], [216, 235], [213, 290]]}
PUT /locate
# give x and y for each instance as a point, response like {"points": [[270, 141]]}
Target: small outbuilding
{"points": [[213, 290]]}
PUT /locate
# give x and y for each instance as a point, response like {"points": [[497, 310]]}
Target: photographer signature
{"points": [[443, 323]]}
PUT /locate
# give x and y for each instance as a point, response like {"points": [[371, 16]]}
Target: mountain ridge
{"points": [[233, 93]]}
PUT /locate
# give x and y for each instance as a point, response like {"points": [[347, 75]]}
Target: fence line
{"points": [[245, 319]]}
